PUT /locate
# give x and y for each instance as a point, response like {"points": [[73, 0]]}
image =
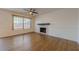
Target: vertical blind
{"points": [[21, 22]]}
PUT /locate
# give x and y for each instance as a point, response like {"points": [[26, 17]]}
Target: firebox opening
{"points": [[43, 30]]}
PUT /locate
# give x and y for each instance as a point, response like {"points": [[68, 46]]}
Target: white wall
{"points": [[63, 23], [6, 24]]}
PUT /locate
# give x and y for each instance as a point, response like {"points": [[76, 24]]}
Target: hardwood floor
{"points": [[36, 42]]}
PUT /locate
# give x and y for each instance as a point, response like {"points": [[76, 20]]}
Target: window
{"points": [[26, 23], [21, 22]]}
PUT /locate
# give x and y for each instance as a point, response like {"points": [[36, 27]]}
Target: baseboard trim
{"points": [[57, 37], [17, 35]]}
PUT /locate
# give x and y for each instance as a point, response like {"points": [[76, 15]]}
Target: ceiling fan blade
{"points": [[31, 10], [35, 12]]}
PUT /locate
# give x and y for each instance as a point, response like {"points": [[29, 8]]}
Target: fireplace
{"points": [[43, 30]]}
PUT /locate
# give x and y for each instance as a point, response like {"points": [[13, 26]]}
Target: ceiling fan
{"points": [[31, 11]]}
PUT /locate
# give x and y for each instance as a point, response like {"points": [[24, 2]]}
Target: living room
{"points": [[23, 28]]}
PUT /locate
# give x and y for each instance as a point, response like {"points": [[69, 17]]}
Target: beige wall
{"points": [[78, 27], [6, 24]]}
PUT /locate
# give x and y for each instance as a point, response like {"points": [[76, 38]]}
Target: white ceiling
{"points": [[39, 10]]}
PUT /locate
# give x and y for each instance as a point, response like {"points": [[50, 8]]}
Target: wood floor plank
{"points": [[37, 42]]}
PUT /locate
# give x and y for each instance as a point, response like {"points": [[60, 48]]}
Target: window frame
{"points": [[23, 22]]}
